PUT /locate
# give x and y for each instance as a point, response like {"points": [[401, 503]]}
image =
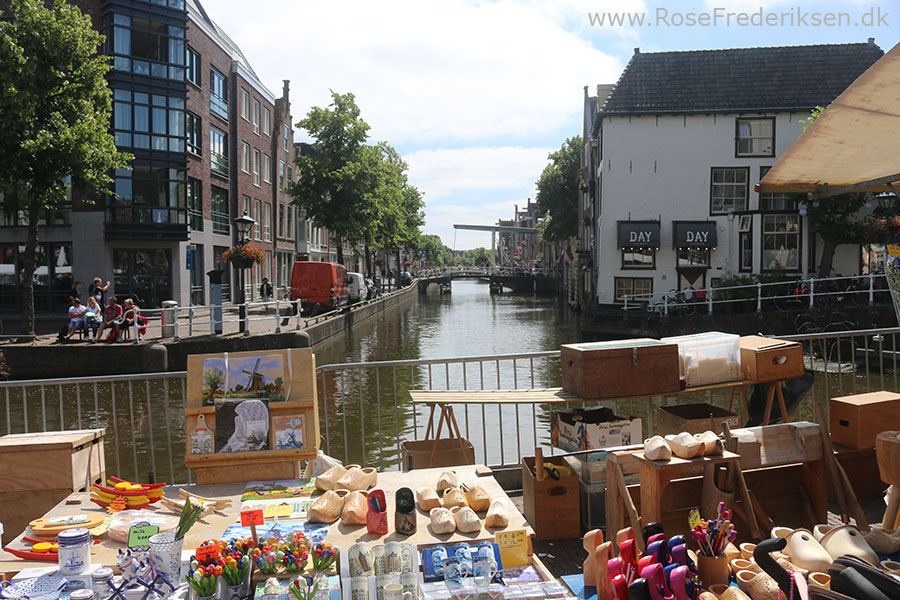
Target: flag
{"points": [[565, 257]]}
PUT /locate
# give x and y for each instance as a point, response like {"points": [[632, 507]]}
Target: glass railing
{"points": [[218, 106], [218, 163]]}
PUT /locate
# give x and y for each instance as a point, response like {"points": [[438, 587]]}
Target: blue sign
{"points": [[189, 260]]}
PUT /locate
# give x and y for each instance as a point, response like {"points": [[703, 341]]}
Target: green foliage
{"points": [[436, 253], [56, 109], [557, 192], [813, 115], [478, 257]]}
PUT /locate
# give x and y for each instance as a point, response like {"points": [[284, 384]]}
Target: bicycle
{"points": [[676, 302], [793, 297]]}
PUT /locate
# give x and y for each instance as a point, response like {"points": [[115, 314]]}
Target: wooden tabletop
{"points": [[674, 462], [540, 396], [343, 537]]}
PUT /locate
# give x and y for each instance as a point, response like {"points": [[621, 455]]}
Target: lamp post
{"points": [[244, 224]]}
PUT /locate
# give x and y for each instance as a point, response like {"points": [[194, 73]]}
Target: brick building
{"points": [[210, 142]]}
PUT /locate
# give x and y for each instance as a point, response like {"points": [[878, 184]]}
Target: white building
{"points": [[681, 141]]}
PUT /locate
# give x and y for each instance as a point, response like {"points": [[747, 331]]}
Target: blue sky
{"points": [[476, 93]]}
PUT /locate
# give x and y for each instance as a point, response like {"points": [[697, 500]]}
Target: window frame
{"points": [[193, 191], [193, 127], [281, 217], [737, 137], [254, 113], [245, 157], [221, 220], [712, 185], [245, 104], [762, 243], [617, 299], [267, 121], [215, 76], [748, 237], [257, 216], [223, 166], [286, 133], [255, 166], [267, 222], [193, 65], [636, 266], [267, 168]]}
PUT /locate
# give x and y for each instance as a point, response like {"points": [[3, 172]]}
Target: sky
{"points": [[476, 93]]}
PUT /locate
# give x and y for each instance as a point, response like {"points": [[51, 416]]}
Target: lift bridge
{"points": [[499, 277]]}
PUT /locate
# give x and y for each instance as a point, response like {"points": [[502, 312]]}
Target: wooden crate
{"points": [[766, 359], [638, 367], [244, 470], [857, 419], [693, 418], [552, 507]]}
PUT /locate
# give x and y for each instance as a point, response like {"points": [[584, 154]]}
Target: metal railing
{"points": [[365, 411], [784, 295]]}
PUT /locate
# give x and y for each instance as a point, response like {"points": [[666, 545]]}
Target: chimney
{"points": [[637, 50], [871, 41]]}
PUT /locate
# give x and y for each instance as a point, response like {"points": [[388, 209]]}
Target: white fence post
{"points": [[190, 321], [666, 305], [277, 316], [709, 300], [812, 291], [758, 296], [626, 302], [175, 330], [136, 334], [871, 288], [246, 319]]}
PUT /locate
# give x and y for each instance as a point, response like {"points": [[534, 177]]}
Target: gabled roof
{"points": [[739, 79]]}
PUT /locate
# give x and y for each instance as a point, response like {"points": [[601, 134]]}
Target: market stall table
{"points": [[343, 537]]}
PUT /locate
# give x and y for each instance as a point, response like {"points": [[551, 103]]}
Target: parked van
{"points": [[357, 287], [320, 286]]}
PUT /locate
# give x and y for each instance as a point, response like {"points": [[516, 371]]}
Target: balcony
{"points": [[146, 223]]}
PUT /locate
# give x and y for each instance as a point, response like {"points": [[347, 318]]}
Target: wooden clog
{"points": [[684, 445], [327, 508], [657, 448], [446, 480], [477, 498], [328, 480], [453, 497], [497, 514], [355, 508], [844, 539], [712, 444], [442, 521], [427, 499], [466, 519]]}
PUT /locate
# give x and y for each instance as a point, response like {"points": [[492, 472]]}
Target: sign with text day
{"points": [[695, 234], [638, 234]]}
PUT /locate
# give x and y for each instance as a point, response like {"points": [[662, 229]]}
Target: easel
{"points": [[448, 416], [774, 390]]}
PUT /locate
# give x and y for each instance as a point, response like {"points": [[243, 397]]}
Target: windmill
{"points": [[255, 383]]}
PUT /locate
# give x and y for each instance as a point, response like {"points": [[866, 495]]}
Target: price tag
{"points": [[118, 504], [694, 519], [139, 535], [252, 517], [893, 250], [278, 510], [207, 553], [513, 547]]}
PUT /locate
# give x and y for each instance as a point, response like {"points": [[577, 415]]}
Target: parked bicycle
{"points": [[679, 303], [792, 296]]}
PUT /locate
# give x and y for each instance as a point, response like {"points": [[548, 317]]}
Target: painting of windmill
{"points": [[258, 376]]}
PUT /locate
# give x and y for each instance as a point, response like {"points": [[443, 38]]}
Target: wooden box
{"points": [[40, 469], [766, 359], [444, 452], [693, 418], [857, 419], [638, 367], [552, 507]]}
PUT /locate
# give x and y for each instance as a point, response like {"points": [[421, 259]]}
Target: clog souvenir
{"points": [[327, 507], [844, 539], [728, 592], [358, 479], [822, 580], [355, 508], [328, 480], [758, 586], [497, 514], [747, 550], [712, 444], [427, 499], [803, 550], [883, 541], [477, 498], [684, 445], [657, 448], [466, 519], [741, 564], [442, 521], [453, 497], [446, 480]]}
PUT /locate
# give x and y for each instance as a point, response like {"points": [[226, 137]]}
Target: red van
{"points": [[320, 286]]}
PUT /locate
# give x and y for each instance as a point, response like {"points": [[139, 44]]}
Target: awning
{"points": [[695, 234], [638, 234], [852, 146]]}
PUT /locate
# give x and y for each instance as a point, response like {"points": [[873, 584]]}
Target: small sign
{"points": [[893, 250], [694, 519], [139, 536], [278, 510], [513, 547], [118, 504], [207, 553], [252, 517]]}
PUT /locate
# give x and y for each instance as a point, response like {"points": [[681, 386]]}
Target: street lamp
{"points": [[244, 224]]}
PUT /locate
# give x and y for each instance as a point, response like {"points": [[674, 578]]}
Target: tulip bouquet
{"points": [[324, 556], [277, 554], [203, 578], [301, 589]]}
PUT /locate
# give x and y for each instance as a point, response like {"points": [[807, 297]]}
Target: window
{"points": [[194, 134], [222, 265], [638, 258], [218, 94], [193, 66], [145, 47], [245, 208], [197, 273], [257, 216], [144, 274], [219, 204], [777, 201], [149, 121], [195, 203], [755, 137], [13, 213], [287, 136], [781, 242], [290, 222], [245, 105], [698, 257], [245, 157], [280, 220], [267, 121], [728, 190], [281, 174], [290, 175], [256, 167], [745, 248], [218, 151], [256, 116], [267, 222], [633, 286], [148, 195], [267, 168]]}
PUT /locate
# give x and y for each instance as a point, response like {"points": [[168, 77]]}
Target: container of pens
{"points": [[712, 537], [376, 517]]}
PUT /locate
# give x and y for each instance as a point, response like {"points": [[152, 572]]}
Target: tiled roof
{"points": [[739, 79]]}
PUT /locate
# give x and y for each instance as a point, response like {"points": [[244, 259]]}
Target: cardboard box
{"points": [[693, 418], [620, 369], [552, 507], [574, 429], [857, 419], [424, 454], [766, 359]]}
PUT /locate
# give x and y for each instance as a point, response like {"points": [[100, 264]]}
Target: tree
{"points": [[479, 257], [56, 108], [213, 379], [334, 181], [557, 192]]}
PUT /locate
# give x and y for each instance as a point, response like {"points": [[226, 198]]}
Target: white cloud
{"points": [[446, 71]]}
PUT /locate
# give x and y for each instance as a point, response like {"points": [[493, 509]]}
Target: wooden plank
{"points": [[675, 462], [780, 444]]}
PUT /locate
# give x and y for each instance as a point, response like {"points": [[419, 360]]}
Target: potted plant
{"points": [[244, 256]]}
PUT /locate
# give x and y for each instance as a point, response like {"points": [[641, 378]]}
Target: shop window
{"points": [[781, 242], [638, 258], [631, 286], [696, 257]]}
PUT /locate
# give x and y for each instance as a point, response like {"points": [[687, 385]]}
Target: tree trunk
{"points": [[827, 260], [29, 268], [399, 267], [340, 251], [368, 261]]}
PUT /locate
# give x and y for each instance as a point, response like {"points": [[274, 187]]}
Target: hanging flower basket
{"points": [[244, 257], [883, 229]]}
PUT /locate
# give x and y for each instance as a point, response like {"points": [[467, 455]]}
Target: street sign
{"points": [[516, 253]]}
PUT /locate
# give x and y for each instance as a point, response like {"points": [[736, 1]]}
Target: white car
{"points": [[357, 284]]}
